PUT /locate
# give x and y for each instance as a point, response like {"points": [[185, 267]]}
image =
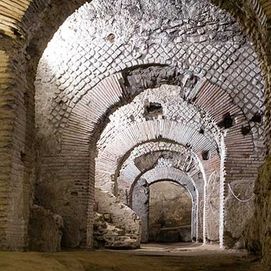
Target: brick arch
{"points": [[172, 107], [129, 169], [75, 156], [150, 146], [174, 161], [175, 131], [249, 150], [198, 181], [71, 132], [245, 148], [178, 112], [114, 159], [126, 160], [178, 159], [83, 156], [156, 174]]}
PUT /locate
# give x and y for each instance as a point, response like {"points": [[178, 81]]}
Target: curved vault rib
{"points": [[167, 173], [151, 159], [107, 160]]}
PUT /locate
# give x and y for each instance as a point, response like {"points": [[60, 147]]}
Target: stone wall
{"points": [[140, 204], [213, 208], [122, 217], [45, 230], [169, 213], [258, 231], [108, 235], [16, 151]]}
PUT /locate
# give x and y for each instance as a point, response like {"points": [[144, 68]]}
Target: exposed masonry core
{"points": [[132, 93]]}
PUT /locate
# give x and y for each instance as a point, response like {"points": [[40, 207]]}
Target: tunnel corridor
{"points": [[124, 99], [135, 128]]}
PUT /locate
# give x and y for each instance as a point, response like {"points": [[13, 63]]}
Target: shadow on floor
{"points": [[151, 257]]}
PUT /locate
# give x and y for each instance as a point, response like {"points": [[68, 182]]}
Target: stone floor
{"points": [[151, 257]]}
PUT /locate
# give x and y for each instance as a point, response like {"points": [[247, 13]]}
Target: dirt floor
{"points": [[177, 257]]}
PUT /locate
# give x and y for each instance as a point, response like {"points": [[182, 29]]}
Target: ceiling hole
{"points": [[201, 131], [245, 130], [153, 109], [188, 145], [74, 193], [205, 155], [111, 38], [16, 32], [227, 121], [257, 117]]}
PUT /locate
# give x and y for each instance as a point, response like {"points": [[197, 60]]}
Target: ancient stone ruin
{"points": [[128, 122]]}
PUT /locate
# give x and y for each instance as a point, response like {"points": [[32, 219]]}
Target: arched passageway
{"points": [[169, 213], [113, 79]]}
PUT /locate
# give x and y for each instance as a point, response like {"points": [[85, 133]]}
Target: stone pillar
{"points": [[212, 208], [91, 199], [140, 204]]}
